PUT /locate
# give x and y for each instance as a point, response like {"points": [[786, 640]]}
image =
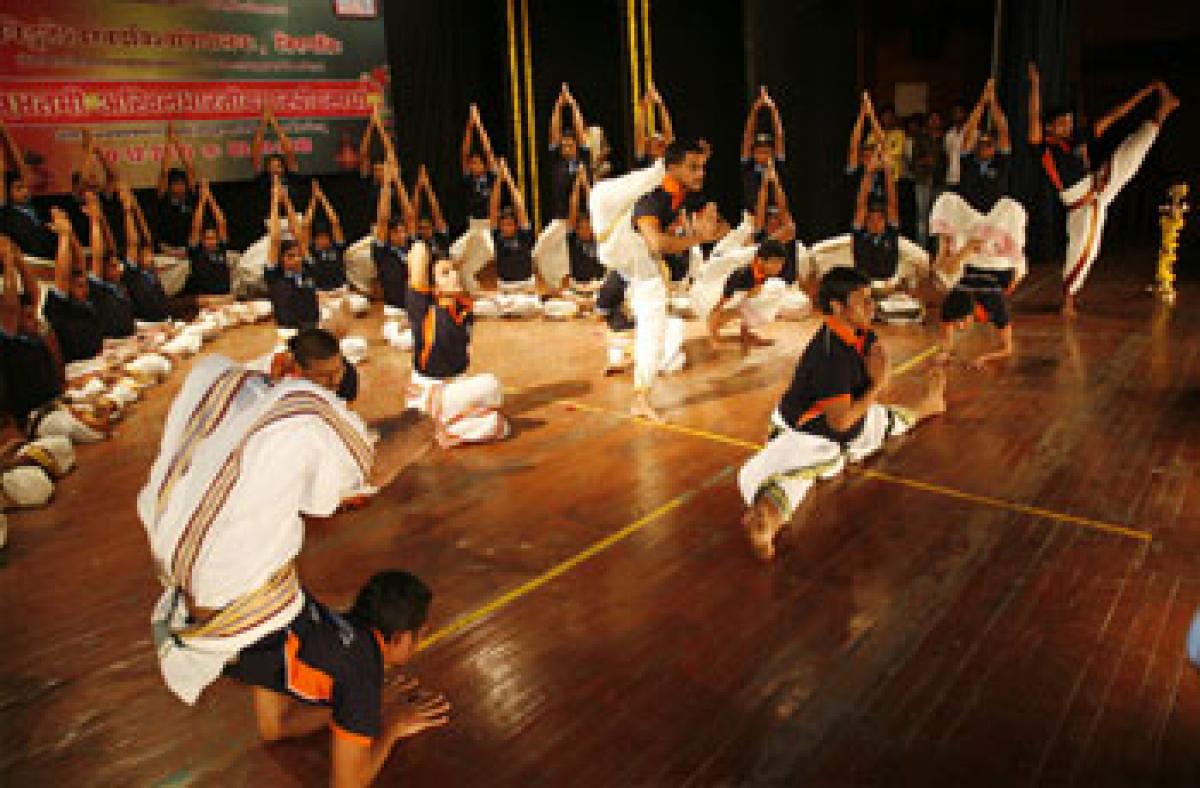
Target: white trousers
{"points": [[658, 339], [464, 409], [475, 249], [785, 469], [1085, 223], [1002, 229]]}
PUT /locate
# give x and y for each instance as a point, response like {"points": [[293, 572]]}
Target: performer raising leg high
{"points": [[1087, 192]]}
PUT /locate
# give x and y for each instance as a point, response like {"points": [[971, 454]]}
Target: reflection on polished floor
{"points": [[999, 598]]}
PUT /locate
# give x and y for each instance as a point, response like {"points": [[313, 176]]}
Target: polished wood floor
{"points": [[964, 613]]}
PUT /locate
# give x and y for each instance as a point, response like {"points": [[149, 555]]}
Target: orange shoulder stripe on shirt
{"points": [[820, 406], [303, 679]]}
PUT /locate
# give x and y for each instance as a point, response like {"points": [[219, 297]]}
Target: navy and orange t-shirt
{"points": [[322, 659], [832, 370], [441, 333]]}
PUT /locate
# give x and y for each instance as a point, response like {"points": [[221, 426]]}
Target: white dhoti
{"points": [[464, 409], [1001, 230], [658, 338], [551, 258], [787, 467], [241, 460], [709, 286], [474, 249], [172, 272], [735, 239], [838, 251], [25, 486], [763, 307], [1087, 204]]}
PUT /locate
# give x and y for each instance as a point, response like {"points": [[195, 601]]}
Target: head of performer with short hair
{"points": [[685, 161], [508, 222], [177, 184], [846, 293], [315, 355], [876, 221], [771, 257], [397, 232], [1060, 122], [396, 605], [291, 257], [447, 278], [476, 164], [18, 190], [568, 146], [276, 166], [763, 151]]}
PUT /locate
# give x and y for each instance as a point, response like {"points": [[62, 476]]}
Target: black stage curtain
{"points": [[445, 55], [806, 53], [1044, 31], [580, 44], [699, 69]]}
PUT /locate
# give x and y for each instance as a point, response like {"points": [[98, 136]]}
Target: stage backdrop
{"points": [[122, 68]]}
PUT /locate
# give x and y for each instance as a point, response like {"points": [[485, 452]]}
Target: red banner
{"points": [[41, 103]]}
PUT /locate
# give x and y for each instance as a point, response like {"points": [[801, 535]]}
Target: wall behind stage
{"points": [[123, 68]]}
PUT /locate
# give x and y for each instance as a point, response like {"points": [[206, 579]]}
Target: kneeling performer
{"points": [[831, 411], [464, 408]]}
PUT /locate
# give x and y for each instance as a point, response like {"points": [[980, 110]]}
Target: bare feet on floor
{"points": [[1068, 308], [642, 409], [762, 522], [933, 402]]}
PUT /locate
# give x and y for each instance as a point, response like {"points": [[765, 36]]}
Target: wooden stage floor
{"points": [[999, 598]]}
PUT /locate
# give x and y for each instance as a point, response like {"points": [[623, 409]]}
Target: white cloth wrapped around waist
{"points": [[709, 286], [611, 204]]}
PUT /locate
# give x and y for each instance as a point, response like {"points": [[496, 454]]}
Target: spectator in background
{"points": [[176, 197], [958, 116], [928, 168], [898, 148]]}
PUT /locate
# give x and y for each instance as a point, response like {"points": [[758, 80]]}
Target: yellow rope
{"points": [[515, 78], [648, 62], [533, 191], [636, 95]]}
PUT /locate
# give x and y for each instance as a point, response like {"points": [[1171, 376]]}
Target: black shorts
{"points": [[986, 306], [323, 660]]}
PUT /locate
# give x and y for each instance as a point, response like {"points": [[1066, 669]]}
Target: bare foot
{"points": [[762, 522], [754, 340], [987, 358], [933, 403], [1068, 308], [642, 409]]}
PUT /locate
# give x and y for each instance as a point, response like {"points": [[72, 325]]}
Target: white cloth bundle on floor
{"points": [[474, 249], [262, 308], [485, 308], [54, 454], [149, 367], [26, 486], [77, 369], [518, 304], [359, 304], [464, 409], [560, 309], [397, 336], [354, 348], [551, 258], [184, 344], [62, 422]]}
